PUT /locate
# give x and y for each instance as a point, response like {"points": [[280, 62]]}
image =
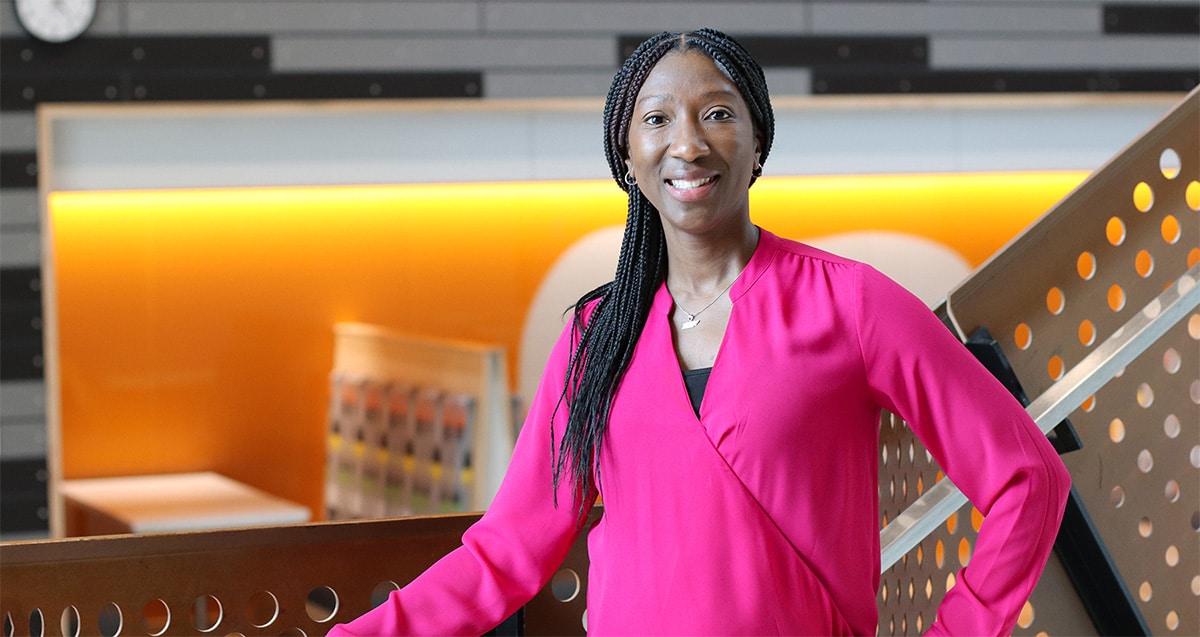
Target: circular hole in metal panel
{"points": [[321, 604], [1116, 298], [1114, 231], [1171, 426], [262, 609], [111, 620], [1055, 300], [1143, 263], [1025, 619], [1192, 195], [1172, 361], [1143, 197], [69, 622], [1087, 332], [1169, 164], [1145, 395], [1022, 336], [1145, 461], [1116, 430], [156, 617], [382, 590], [207, 612], [1055, 367], [565, 585], [1085, 265], [1170, 229]]}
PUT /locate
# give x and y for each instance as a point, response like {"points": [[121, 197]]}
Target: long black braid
{"points": [[608, 337]]}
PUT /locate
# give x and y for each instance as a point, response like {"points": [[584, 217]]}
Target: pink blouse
{"points": [[760, 517]]}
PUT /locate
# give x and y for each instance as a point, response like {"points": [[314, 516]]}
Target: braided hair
{"points": [[606, 339]]}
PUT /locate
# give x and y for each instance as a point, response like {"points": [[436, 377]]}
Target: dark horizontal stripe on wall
{"points": [[836, 81], [23, 511], [21, 360], [23, 92], [18, 170], [1146, 18], [26, 55], [25, 474], [20, 285], [21, 322], [803, 51], [307, 86]]}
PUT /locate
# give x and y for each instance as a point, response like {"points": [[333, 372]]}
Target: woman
{"points": [[722, 394]]}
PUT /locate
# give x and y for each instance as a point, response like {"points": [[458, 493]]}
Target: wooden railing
{"points": [[289, 580]]}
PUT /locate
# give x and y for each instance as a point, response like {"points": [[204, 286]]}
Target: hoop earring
{"points": [[629, 179]]}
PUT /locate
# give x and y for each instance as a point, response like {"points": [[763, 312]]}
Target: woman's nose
{"points": [[688, 140]]}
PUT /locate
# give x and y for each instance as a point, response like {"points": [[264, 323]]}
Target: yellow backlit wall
{"points": [[195, 327]]}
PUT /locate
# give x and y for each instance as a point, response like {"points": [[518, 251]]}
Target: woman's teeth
{"points": [[687, 184]]}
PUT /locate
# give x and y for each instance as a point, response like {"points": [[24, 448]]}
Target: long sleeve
{"points": [[508, 555], [984, 441]]}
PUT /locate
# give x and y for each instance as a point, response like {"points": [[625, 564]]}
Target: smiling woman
{"points": [[735, 446]]}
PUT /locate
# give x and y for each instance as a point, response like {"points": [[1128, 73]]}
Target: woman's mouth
{"points": [[691, 189], [689, 184]]}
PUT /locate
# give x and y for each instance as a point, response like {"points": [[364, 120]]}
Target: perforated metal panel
{"points": [[910, 591], [1099, 257]]}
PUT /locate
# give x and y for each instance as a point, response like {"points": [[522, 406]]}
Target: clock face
{"points": [[55, 20]]}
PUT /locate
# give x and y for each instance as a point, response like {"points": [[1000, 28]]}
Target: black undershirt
{"points": [[696, 380]]}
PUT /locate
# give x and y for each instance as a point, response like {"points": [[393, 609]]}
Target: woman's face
{"points": [[692, 144]]}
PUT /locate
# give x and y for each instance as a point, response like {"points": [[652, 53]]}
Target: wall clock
{"points": [[55, 20]]}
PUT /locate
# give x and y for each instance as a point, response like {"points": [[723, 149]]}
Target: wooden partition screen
{"points": [[284, 580]]}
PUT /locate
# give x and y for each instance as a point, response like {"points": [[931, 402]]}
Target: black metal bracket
{"points": [[987, 351]]}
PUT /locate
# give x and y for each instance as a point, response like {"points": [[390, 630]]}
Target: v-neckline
{"points": [[661, 314]]}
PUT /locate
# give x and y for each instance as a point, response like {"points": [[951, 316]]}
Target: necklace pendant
{"points": [[690, 323]]}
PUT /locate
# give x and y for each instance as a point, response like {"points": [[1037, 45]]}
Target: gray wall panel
{"points": [[1049, 139], [641, 17], [22, 440], [18, 209], [20, 248], [18, 131], [279, 16], [22, 399], [918, 18], [788, 81], [1124, 52], [518, 84], [569, 143], [294, 53]]}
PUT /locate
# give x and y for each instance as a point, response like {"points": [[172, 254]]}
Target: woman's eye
{"points": [[720, 114], [655, 120]]}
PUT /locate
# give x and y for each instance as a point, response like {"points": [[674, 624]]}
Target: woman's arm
{"points": [[984, 441], [508, 555]]}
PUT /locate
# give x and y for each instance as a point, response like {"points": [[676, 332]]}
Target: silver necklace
{"points": [[692, 320]]}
